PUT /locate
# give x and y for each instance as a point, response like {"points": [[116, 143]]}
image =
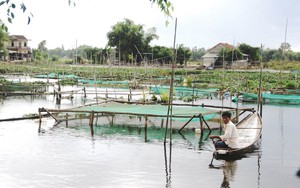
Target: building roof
{"points": [[210, 55], [17, 37], [223, 45]]}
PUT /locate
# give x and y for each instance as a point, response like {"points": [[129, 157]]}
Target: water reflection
{"points": [[229, 171], [168, 165], [229, 166]]}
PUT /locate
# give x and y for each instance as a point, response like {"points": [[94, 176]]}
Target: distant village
{"points": [[19, 50]]}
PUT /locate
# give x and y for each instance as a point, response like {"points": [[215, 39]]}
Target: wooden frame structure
{"points": [[202, 121]]}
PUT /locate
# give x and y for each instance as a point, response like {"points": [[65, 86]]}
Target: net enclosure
{"points": [[154, 110], [272, 98], [181, 112]]}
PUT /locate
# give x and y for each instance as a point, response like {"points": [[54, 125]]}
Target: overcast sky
{"points": [[200, 23]]}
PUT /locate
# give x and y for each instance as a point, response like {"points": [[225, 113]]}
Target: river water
{"points": [[118, 156]]}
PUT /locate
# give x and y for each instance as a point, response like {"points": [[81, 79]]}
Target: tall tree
{"points": [[42, 46], [162, 54], [129, 38], [230, 54], [197, 53], [183, 54], [284, 47], [253, 52]]}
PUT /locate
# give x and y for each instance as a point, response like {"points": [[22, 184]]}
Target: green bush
{"points": [[290, 85], [165, 96]]}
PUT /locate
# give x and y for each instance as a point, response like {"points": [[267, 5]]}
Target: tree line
{"points": [[130, 43]]}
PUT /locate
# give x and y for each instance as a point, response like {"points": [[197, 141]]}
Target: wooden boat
{"points": [[250, 130]]}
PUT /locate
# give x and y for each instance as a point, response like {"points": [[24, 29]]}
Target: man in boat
{"points": [[230, 137]]}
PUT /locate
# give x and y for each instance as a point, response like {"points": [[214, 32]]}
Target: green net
{"points": [[179, 112], [183, 91], [22, 87], [273, 98], [90, 81], [55, 76]]}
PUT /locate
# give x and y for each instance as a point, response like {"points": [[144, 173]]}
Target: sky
{"points": [[200, 23]]}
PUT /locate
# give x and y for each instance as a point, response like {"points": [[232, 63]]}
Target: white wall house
{"points": [[209, 59], [212, 54], [17, 47]]}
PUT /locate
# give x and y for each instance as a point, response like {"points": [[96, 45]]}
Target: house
{"points": [[210, 58], [18, 49]]}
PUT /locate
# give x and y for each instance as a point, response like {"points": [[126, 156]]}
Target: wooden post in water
{"points": [[237, 115], [112, 120], [115, 91], [91, 123], [59, 89], [67, 120], [146, 125], [201, 124], [84, 91], [40, 120], [162, 123]]}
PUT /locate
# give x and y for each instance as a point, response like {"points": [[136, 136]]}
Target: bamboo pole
{"points": [[186, 123], [57, 120], [259, 97], [169, 113], [206, 124]]}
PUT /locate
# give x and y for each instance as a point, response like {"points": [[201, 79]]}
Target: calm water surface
{"points": [[118, 156]]}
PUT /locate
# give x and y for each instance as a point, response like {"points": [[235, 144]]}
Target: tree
{"points": [[197, 54], [269, 54], [230, 54], [253, 52], [284, 47], [183, 54], [42, 46], [129, 38], [3, 39], [162, 54]]}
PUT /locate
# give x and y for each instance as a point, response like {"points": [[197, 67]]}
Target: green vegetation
{"points": [[225, 80]]}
